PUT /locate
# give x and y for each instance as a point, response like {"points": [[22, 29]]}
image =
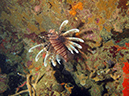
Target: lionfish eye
{"points": [[51, 33]]}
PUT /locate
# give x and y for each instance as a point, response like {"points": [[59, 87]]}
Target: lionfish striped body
{"points": [[58, 45]]}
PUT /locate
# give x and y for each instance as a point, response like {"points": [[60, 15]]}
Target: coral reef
{"points": [[3, 83], [99, 65]]}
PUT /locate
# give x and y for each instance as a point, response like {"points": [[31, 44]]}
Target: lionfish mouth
{"points": [[59, 44]]}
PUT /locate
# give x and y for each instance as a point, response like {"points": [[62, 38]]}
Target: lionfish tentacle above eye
{"points": [[70, 32], [31, 49], [75, 39], [63, 25], [52, 30]]}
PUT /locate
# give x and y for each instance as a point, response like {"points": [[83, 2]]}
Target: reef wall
{"points": [[98, 68]]}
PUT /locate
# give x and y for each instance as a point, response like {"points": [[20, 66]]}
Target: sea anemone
{"points": [[58, 44]]}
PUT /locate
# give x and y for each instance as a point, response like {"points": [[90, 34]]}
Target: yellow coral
{"points": [[79, 5], [75, 7], [68, 88], [72, 12]]}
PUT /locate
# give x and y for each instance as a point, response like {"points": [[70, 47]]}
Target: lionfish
{"points": [[58, 44]]}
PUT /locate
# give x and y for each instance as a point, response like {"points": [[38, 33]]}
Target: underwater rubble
{"points": [[99, 66]]}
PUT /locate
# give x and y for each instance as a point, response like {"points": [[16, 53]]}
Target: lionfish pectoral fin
{"points": [[38, 55], [75, 44], [63, 24], [58, 59], [31, 49], [75, 39], [48, 55], [72, 47], [70, 31], [53, 62]]}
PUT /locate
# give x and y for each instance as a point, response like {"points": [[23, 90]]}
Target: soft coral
{"points": [[126, 68], [125, 83], [126, 91], [126, 80]]}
